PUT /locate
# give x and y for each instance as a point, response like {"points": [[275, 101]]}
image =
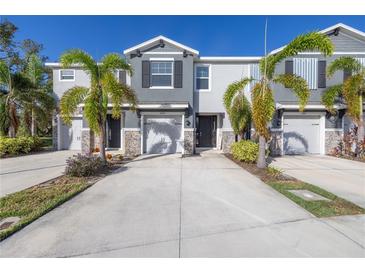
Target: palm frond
{"points": [[34, 69], [69, 102], [329, 96], [112, 62], [263, 108], [93, 110], [4, 73], [298, 85], [240, 114], [351, 94], [233, 89], [346, 63], [79, 57]]}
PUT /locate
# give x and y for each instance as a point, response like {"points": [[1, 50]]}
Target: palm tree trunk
{"points": [[11, 132], [360, 130], [261, 161], [102, 141], [33, 126]]}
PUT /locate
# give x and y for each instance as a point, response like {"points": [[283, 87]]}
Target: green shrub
{"points": [[83, 166], [245, 151], [19, 145]]}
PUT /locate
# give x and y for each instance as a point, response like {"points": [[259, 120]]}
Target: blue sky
{"points": [[210, 35]]}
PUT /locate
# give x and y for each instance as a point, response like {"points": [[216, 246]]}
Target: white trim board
{"points": [[157, 38]]}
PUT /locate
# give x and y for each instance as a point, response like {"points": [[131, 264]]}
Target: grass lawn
{"points": [[31, 203], [283, 183]]}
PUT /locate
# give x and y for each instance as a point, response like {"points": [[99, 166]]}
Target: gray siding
{"points": [[222, 74], [343, 42], [174, 95], [60, 87]]}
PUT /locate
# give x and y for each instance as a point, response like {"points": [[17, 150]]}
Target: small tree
{"points": [[104, 87], [238, 107], [352, 91]]}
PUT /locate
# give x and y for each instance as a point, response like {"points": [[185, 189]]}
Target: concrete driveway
{"points": [[342, 177], [18, 173], [201, 206]]}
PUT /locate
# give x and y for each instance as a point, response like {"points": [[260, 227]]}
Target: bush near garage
{"points": [[19, 145], [83, 166], [245, 151]]}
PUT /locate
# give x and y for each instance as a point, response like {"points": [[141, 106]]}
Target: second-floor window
{"points": [[161, 74], [307, 68], [67, 75], [202, 78]]}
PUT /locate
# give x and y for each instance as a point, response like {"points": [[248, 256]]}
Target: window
{"points": [[307, 68], [202, 77], [161, 74], [67, 75]]}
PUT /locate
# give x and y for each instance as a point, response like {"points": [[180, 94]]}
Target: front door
{"points": [[206, 131], [113, 132]]}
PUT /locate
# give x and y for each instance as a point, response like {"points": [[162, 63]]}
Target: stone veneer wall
{"points": [[228, 137], [331, 139], [132, 142], [189, 141], [276, 148], [87, 141]]}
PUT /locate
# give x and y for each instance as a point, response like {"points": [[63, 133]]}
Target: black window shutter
{"points": [[288, 68], [346, 74], [123, 77], [145, 74], [178, 74], [321, 74]]}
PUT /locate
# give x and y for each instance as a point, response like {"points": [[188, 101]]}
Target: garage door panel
{"points": [[162, 134], [71, 135], [301, 135]]}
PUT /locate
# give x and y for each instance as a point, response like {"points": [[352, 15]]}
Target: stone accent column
{"points": [[331, 139], [132, 142], [55, 125], [87, 141], [227, 140], [276, 143], [189, 141]]}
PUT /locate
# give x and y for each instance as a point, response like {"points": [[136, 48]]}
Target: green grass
{"points": [[32, 203], [335, 207]]}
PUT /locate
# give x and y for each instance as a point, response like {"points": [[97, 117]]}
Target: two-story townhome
{"points": [[180, 100]]}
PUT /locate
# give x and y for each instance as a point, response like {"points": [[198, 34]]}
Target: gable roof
{"points": [[158, 38], [345, 28]]}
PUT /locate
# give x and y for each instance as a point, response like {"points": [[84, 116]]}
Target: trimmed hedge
{"points": [[83, 166], [245, 151], [19, 145]]}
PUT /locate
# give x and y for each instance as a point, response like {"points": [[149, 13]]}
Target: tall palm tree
{"points": [[262, 96], [14, 91], [238, 107], [352, 90], [104, 88], [41, 102]]}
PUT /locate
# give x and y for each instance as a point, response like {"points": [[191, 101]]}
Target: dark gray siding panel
{"points": [[145, 74], [343, 42], [288, 67], [321, 74], [123, 77], [178, 74]]}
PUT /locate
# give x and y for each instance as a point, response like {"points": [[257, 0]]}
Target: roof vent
{"points": [[139, 54], [162, 44]]}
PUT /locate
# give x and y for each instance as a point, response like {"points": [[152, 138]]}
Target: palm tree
{"points": [[104, 87], [238, 107], [352, 91], [14, 91], [262, 96], [41, 102]]}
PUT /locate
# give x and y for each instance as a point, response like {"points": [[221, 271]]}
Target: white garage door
{"points": [[301, 134], [71, 135], [162, 134]]}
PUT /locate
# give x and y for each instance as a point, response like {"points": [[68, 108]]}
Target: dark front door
{"points": [[206, 131], [113, 132]]}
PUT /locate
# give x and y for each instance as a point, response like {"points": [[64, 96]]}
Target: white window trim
{"points": [[209, 77], [172, 72], [66, 80]]}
